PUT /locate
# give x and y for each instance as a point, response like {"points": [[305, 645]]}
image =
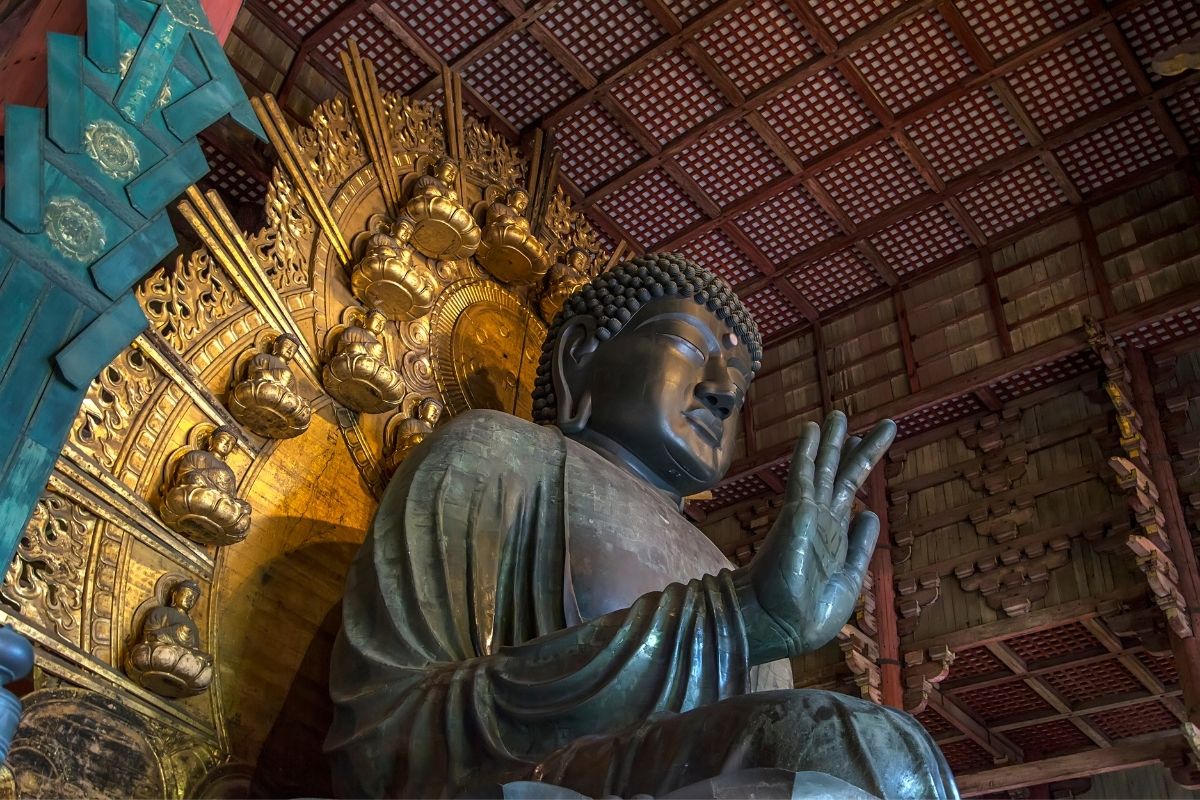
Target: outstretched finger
{"points": [[800, 478], [857, 466], [829, 456], [864, 533]]}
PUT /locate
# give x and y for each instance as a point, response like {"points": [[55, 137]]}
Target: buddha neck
{"points": [[619, 455]]}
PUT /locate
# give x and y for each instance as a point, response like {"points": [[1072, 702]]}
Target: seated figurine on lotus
{"points": [[411, 431], [565, 277], [358, 375], [167, 659], [442, 228], [508, 248], [266, 400], [389, 280], [202, 501]]}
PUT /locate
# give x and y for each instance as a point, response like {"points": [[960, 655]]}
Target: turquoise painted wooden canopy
{"points": [[87, 183]]}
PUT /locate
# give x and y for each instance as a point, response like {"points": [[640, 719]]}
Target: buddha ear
{"points": [[571, 371]]}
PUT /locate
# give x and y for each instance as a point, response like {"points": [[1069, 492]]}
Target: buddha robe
{"points": [[524, 609]]}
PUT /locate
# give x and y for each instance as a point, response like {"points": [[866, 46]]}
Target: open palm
{"points": [[802, 586]]}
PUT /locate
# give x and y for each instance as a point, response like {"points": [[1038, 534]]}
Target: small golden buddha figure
{"points": [[565, 277], [412, 430], [167, 658], [202, 502], [508, 247], [266, 401], [387, 278], [358, 375], [442, 228]]}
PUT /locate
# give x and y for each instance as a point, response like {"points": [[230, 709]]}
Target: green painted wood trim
{"points": [[24, 131]]}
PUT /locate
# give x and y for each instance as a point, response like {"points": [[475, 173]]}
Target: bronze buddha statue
{"points": [[202, 501], [387, 278], [531, 606], [167, 659], [266, 401], [358, 374]]}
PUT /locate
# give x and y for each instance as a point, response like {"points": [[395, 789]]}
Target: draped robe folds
{"points": [[524, 608]]}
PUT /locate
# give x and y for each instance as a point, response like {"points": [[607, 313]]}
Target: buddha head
{"points": [[430, 411], [445, 170], [649, 363], [403, 229], [285, 346], [374, 321], [184, 595], [517, 200], [222, 440]]}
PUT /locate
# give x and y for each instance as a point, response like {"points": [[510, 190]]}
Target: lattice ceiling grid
{"points": [[750, 99]]}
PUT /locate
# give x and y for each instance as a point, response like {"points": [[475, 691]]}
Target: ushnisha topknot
{"points": [[613, 297]]}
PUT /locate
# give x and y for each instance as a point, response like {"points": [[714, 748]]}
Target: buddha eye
{"points": [[688, 345]]}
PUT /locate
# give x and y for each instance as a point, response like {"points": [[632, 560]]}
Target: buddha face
{"points": [[447, 171], [375, 322], [403, 229], [184, 596], [221, 442], [430, 412], [666, 390], [518, 201], [285, 347]]}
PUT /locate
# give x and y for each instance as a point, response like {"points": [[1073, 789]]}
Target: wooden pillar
{"points": [[1187, 651], [885, 595]]}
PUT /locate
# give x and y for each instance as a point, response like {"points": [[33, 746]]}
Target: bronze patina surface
{"points": [[531, 605]]}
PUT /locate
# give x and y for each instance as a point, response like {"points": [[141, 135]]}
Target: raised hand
{"points": [[801, 587]]}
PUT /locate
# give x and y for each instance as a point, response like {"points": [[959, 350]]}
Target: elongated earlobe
{"points": [[570, 372]]}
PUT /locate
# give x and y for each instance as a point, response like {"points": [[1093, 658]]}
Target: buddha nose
{"points": [[719, 398]]}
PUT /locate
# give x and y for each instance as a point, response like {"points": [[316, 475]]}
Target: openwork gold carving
{"points": [[281, 247], [267, 400], [202, 501], [167, 658], [358, 375], [73, 228], [111, 148], [45, 581], [182, 302], [114, 396], [489, 156]]}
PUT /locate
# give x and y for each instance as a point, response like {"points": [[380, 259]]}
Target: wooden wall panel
{"points": [[952, 331], [1149, 239], [1043, 285], [786, 392], [864, 357]]}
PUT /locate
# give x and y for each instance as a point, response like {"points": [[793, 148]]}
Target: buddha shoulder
{"points": [[491, 440]]}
